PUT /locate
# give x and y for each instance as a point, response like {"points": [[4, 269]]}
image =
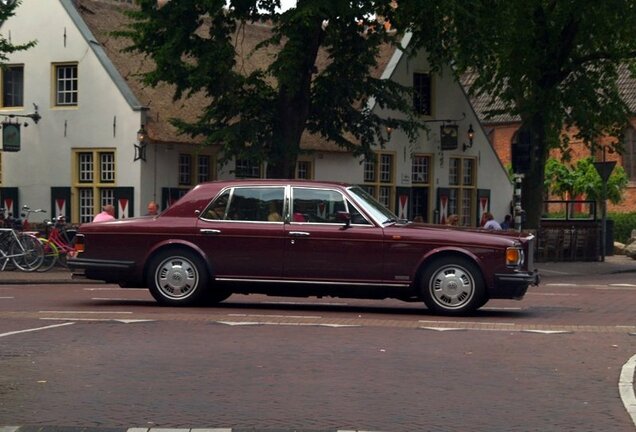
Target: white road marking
{"points": [[443, 329], [306, 303], [34, 329], [626, 387], [115, 289], [273, 323], [467, 322], [275, 316], [553, 294], [500, 308], [622, 285], [124, 321], [6, 298], [118, 299], [83, 312], [548, 332]]}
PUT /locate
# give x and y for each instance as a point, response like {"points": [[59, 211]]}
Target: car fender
{"points": [[450, 250], [177, 243]]}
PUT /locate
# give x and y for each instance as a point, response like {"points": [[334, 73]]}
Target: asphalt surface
{"points": [[612, 265]]}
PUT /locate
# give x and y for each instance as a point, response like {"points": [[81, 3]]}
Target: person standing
{"points": [[152, 209], [491, 223], [107, 214]]}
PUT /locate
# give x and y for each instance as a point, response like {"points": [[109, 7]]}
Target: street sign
{"points": [[604, 169]]}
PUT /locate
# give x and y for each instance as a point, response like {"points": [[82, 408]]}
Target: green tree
{"points": [[7, 10], [583, 179], [553, 63], [262, 113]]}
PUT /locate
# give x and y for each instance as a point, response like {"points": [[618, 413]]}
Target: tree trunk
{"points": [[532, 190]]}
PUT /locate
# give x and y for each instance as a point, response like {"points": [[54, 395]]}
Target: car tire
{"points": [[453, 285], [178, 277]]}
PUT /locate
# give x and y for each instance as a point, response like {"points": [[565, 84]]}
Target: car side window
{"points": [[316, 205], [217, 209], [357, 217], [256, 204]]}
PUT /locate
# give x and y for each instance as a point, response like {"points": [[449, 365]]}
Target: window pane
{"points": [[467, 206], [304, 170], [247, 169], [218, 208], [185, 169], [316, 205], [468, 172], [203, 169], [106, 196], [107, 167], [420, 169], [422, 93], [66, 85], [453, 171], [369, 171], [386, 168], [85, 167], [13, 86], [86, 205], [257, 204]]}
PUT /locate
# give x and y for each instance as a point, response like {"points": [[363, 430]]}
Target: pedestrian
{"points": [[491, 223], [507, 223], [107, 214], [453, 220], [152, 209]]}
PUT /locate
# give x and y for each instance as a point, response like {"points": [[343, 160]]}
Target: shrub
{"points": [[624, 223]]}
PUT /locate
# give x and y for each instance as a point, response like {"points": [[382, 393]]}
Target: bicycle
{"points": [[61, 238], [51, 252], [24, 251]]}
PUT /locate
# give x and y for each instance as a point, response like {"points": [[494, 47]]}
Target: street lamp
{"points": [[471, 137], [140, 148]]}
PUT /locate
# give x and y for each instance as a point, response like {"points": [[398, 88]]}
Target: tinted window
{"points": [[259, 204], [218, 208], [316, 205]]}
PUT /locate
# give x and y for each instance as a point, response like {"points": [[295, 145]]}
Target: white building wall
{"points": [[102, 119]]}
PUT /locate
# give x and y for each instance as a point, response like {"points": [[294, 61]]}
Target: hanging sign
{"points": [[448, 134], [11, 137]]}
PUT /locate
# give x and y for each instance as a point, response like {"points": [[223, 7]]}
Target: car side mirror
{"points": [[344, 217]]}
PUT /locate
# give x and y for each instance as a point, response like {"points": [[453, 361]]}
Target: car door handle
{"points": [[298, 234], [205, 231]]}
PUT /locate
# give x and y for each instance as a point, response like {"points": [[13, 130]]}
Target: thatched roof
{"points": [[102, 18]]}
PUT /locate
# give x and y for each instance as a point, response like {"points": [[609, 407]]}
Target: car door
{"points": [[241, 235], [319, 247]]}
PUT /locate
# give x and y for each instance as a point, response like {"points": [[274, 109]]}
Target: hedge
{"points": [[624, 223]]}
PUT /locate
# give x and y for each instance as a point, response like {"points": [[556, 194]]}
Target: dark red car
{"points": [[301, 238]]}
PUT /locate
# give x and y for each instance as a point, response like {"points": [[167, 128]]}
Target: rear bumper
{"points": [[514, 285], [104, 270]]}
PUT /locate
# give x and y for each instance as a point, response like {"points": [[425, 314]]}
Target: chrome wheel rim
{"points": [[452, 287], [177, 278]]}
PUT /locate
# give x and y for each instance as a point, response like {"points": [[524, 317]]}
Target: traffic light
{"points": [[521, 151]]}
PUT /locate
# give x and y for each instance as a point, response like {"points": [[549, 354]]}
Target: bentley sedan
{"points": [[302, 238]]}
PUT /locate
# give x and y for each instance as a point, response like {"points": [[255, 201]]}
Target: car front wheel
{"points": [[453, 286], [177, 278]]}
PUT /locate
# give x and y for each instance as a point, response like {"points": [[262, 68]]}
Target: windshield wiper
{"points": [[390, 220]]}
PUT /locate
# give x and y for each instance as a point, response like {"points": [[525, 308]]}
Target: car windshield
{"points": [[371, 206]]}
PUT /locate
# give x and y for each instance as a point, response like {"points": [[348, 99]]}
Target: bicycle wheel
{"points": [[27, 252], [51, 254]]}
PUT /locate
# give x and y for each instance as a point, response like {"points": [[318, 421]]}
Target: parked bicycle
{"points": [[22, 250]]}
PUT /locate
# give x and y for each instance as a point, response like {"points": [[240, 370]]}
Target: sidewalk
{"points": [[612, 265]]}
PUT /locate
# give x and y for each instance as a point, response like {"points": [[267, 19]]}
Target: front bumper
{"points": [[514, 285]]}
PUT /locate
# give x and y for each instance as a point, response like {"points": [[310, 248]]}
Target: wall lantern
{"points": [[389, 131], [471, 137], [140, 148]]}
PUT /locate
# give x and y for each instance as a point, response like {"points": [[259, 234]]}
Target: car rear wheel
{"points": [[178, 278], [453, 286]]}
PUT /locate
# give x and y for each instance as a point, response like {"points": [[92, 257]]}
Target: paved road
{"points": [[100, 356]]}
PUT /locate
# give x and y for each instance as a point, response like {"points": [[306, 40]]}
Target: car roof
{"points": [[275, 182]]}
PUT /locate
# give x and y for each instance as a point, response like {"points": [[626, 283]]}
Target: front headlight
{"points": [[514, 257]]}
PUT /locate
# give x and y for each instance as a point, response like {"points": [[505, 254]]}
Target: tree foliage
{"points": [[7, 10], [583, 179], [552, 63], [262, 113]]}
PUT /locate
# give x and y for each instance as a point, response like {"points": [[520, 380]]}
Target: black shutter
{"points": [[124, 202], [60, 202]]}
